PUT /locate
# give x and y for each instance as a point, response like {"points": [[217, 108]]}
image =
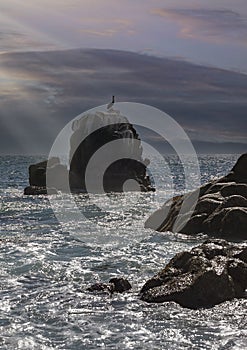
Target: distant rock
{"points": [[37, 172], [37, 177], [220, 211], [115, 285], [209, 274]]}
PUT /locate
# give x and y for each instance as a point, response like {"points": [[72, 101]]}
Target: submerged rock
{"points": [[209, 274], [220, 211], [115, 285]]}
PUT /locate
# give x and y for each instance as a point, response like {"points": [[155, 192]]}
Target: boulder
{"points": [[234, 189], [220, 210], [115, 285], [120, 284], [209, 274]]}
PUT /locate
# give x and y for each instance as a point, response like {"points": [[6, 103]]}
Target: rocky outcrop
{"points": [[220, 211], [90, 133], [207, 275], [115, 285]]}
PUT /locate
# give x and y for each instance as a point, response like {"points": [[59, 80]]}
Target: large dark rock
{"points": [[220, 210], [92, 132], [209, 274]]}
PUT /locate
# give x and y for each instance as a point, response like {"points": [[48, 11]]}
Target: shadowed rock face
{"points": [[209, 274], [91, 133], [221, 209]]}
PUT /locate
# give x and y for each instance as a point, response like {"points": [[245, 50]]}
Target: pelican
{"points": [[110, 105]]}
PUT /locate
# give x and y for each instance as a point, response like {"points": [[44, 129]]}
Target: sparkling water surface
{"points": [[46, 268]]}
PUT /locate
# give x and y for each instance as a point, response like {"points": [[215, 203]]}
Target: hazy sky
{"points": [[210, 33]]}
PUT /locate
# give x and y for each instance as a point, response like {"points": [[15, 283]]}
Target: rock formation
{"points": [[90, 133], [209, 274], [37, 177], [93, 131], [220, 211]]}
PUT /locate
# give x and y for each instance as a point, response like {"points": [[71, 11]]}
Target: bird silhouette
{"points": [[110, 105]]}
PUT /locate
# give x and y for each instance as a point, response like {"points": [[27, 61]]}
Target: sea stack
{"points": [[90, 134]]}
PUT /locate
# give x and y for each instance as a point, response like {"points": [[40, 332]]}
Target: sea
{"points": [[49, 259]]}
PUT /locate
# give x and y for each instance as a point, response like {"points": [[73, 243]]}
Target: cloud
{"points": [[42, 91], [106, 32], [209, 24], [15, 41], [107, 27]]}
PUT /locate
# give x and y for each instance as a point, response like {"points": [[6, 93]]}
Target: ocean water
{"points": [[47, 265]]}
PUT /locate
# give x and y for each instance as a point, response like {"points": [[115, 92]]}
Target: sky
{"points": [[58, 58]]}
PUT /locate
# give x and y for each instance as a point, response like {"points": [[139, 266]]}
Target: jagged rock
{"points": [[220, 211], [115, 285], [209, 274]]}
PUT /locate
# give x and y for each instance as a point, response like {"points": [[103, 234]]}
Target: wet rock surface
{"points": [[220, 210], [207, 275]]}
